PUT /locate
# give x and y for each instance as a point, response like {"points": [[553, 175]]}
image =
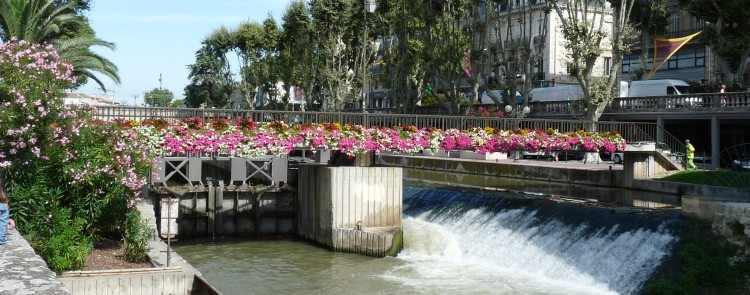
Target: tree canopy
{"points": [[727, 31], [158, 97]]}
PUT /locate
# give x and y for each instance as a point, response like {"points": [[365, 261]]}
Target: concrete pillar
{"points": [[659, 131], [351, 209], [715, 143]]}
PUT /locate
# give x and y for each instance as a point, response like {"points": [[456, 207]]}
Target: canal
{"points": [[463, 241]]}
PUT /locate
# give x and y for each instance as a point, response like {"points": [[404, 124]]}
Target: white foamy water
{"points": [[514, 252]]}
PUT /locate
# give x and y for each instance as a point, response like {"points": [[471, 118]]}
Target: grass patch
{"points": [[703, 263], [716, 178]]}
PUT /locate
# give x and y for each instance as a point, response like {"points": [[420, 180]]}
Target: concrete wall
{"points": [[351, 209], [480, 169], [131, 281], [729, 218]]}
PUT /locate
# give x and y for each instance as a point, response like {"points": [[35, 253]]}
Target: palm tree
{"points": [[37, 21], [77, 51], [47, 21]]}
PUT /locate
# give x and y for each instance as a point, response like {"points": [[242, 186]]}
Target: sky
{"points": [[161, 36]]}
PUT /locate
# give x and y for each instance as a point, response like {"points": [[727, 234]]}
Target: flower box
{"points": [[439, 154], [365, 159], [321, 156], [496, 156], [470, 155], [516, 155], [592, 158]]}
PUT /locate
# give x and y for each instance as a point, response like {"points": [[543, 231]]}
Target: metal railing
{"points": [[636, 131], [630, 131], [710, 102]]}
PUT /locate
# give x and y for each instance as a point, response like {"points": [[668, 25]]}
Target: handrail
{"points": [[630, 131], [364, 119], [668, 103]]}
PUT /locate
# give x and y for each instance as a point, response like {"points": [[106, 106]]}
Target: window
{"points": [[700, 58]]}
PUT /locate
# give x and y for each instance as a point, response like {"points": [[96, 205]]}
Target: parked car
{"points": [[741, 164]]}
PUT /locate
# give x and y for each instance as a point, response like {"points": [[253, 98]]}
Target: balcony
{"points": [[679, 106]]}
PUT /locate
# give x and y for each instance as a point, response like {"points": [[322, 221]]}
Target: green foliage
{"points": [[78, 51], [177, 103], [210, 78], [37, 21], [70, 179], [158, 97], [703, 263], [717, 178], [585, 29], [295, 54], [136, 235], [61, 23], [726, 31], [67, 246]]}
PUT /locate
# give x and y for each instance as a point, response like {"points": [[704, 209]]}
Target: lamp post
{"points": [[370, 6]]}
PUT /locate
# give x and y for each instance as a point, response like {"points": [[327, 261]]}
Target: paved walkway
{"points": [[23, 272]]}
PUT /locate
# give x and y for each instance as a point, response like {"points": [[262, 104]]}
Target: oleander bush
{"points": [[136, 234], [72, 180]]}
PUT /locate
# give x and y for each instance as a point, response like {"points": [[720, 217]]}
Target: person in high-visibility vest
{"points": [[689, 155]]}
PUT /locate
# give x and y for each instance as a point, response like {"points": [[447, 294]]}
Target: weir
{"points": [[348, 209]]}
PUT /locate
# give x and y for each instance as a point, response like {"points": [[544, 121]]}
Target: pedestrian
{"points": [[689, 155], [5, 222], [723, 89]]}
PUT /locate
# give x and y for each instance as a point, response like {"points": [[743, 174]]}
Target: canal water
{"points": [[462, 242]]}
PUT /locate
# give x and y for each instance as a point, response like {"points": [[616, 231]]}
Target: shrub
{"points": [[702, 263], [71, 179], [136, 235], [67, 247]]}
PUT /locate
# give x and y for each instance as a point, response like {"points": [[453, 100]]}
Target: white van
{"points": [[556, 93], [657, 88]]}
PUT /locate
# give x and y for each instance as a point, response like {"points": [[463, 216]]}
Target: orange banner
{"points": [[665, 48]]}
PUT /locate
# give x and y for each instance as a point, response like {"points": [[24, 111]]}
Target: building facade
{"points": [[534, 26], [693, 63]]}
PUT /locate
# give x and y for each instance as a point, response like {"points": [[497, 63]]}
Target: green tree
{"points": [[210, 79], [405, 58], [37, 21], [651, 18], [295, 54], [158, 97], [585, 29], [726, 31], [86, 62], [177, 103]]}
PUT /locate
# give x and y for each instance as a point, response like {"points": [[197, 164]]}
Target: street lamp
{"points": [[508, 108], [370, 6]]}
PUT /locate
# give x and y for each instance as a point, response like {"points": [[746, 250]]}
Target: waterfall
{"points": [[505, 243]]}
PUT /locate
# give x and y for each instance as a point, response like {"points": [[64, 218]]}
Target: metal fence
{"points": [[631, 131]]}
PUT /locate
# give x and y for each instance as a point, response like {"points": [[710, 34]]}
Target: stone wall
{"points": [[23, 272], [729, 218]]}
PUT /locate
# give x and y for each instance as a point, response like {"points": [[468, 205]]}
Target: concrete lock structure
{"points": [[352, 209], [348, 209]]}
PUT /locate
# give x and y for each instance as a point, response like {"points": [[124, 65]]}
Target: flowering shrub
{"points": [[29, 76], [70, 179], [243, 139]]}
